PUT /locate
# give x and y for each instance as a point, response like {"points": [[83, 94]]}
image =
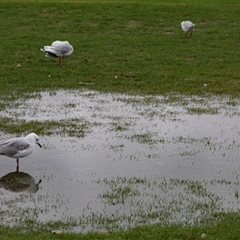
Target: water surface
{"points": [[143, 159]]}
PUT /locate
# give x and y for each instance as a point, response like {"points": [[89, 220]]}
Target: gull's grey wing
{"points": [[63, 49], [11, 147]]}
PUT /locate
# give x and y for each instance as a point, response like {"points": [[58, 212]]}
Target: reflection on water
{"points": [[19, 182], [145, 159]]}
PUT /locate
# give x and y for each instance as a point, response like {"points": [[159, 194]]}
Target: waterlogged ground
{"points": [[138, 160]]}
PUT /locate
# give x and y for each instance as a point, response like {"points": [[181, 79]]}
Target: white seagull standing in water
{"points": [[58, 49], [19, 147], [187, 26]]}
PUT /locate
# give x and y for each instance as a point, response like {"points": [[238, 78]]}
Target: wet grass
{"points": [[184, 197], [127, 47], [138, 48], [147, 198], [69, 127], [200, 111], [225, 229]]}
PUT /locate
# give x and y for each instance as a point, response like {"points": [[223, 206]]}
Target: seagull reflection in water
{"points": [[19, 182]]}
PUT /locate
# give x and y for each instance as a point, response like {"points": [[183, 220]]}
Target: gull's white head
{"points": [[33, 138]]}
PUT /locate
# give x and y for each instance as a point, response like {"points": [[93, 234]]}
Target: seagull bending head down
{"points": [[187, 27], [59, 49]]}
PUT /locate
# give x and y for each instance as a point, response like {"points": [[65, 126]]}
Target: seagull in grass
{"points": [[19, 147], [187, 27], [59, 49]]}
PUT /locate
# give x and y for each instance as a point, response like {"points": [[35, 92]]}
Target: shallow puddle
{"points": [[143, 159]]}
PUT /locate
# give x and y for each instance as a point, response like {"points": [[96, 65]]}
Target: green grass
{"points": [[70, 127], [121, 46], [114, 39], [228, 228]]}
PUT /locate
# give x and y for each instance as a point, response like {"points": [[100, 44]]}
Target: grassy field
{"points": [[227, 229], [132, 47]]}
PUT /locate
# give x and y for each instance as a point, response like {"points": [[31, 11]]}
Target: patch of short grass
{"points": [[68, 127], [200, 110], [137, 48], [226, 227]]}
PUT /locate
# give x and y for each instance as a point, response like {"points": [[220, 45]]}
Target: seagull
{"points": [[19, 147], [58, 49], [187, 26]]}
